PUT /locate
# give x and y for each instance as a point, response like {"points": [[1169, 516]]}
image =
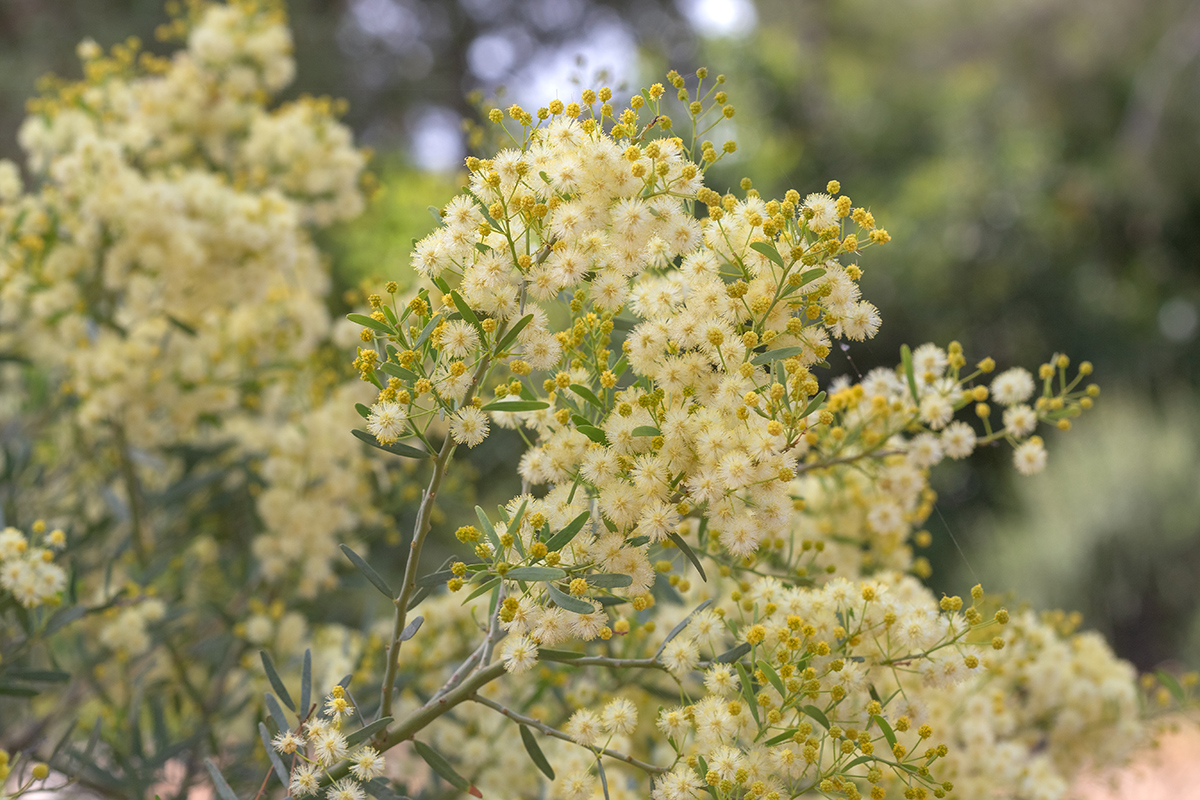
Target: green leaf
{"points": [[437, 214], [646, 430], [561, 539], [549, 654], [466, 311], [427, 330], [395, 448], [362, 410], [906, 359], [306, 682], [587, 394], [748, 690], [593, 433], [568, 603], [733, 654], [391, 315], [514, 524], [767, 250], [483, 589], [782, 737], [488, 529], [441, 766], [9, 690], [817, 714], [39, 675], [1172, 685], [362, 734], [535, 574], [516, 405], [435, 578], [808, 276], [219, 782], [610, 581], [773, 677], [535, 752], [276, 712], [888, 733], [276, 682], [683, 623], [368, 572], [776, 355], [410, 630], [603, 778], [814, 404], [687, 551], [280, 770], [511, 336], [857, 761], [397, 371], [369, 322], [483, 248], [380, 789]]}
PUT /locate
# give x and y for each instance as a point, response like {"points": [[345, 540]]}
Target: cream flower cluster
{"points": [[27, 569]]}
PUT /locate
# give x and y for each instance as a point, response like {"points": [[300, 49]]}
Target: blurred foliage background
{"points": [[1033, 160]]}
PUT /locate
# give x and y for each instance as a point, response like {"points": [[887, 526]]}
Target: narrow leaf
{"points": [[511, 336], [410, 630], [906, 358], [441, 766], [610, 581], [776, 355], [814, 404], [886, 728], [10, 690], [748, 690], [362, 734], [733, 654], [275, 680], [488, 529], [646, 430], [816, 714], [767, 250], [397, 371], [395, 448], [369, 322], [435, 578], [548, 654], [39, 675], [306, 682], [587, 394], [691, 554], [368, 572], [362, 410], [535, 574], [1168, 680], [593, 433], [219, 782], [381, 790], [535, 752], [483, 589], [516, 405], [773, 677], [568, 603], [465, 310], [280, 770], [276, 712], [561, 539]]}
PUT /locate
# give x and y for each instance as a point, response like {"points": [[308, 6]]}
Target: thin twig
{"points": [[556, 733]]}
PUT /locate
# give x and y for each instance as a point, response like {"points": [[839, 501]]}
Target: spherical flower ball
{"points": [[469, 426], [1012, 386]]}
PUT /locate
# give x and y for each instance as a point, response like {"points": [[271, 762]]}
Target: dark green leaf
{"points": [[466, 311], [733, 654], [603, 778], [435, 578], [817, 714], [395, 448], [369, 322], [535, 752], [306, 682], [441, 766], [568, 603], [511, 336], [397, 371], [1168, 680], [362, 734], [687, 551], [886, 728], [219, 782], [767, 250], [610, 581], [857, 761], [776, 355], [516, 405], [488, 529], [368, 572], [906, 359], [515, 523], [814, 404], [9, 690], [483, 589], [427, 330], [362, 410], [646, 430], [276, 712], [561, 539], [39, 675], [782, 737], [410, 630], [773, 677], [748, 690], [273, 677], [276, 764], [535, 574], [548, 654], [380, 789], [593, 433], [587, 394]]}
